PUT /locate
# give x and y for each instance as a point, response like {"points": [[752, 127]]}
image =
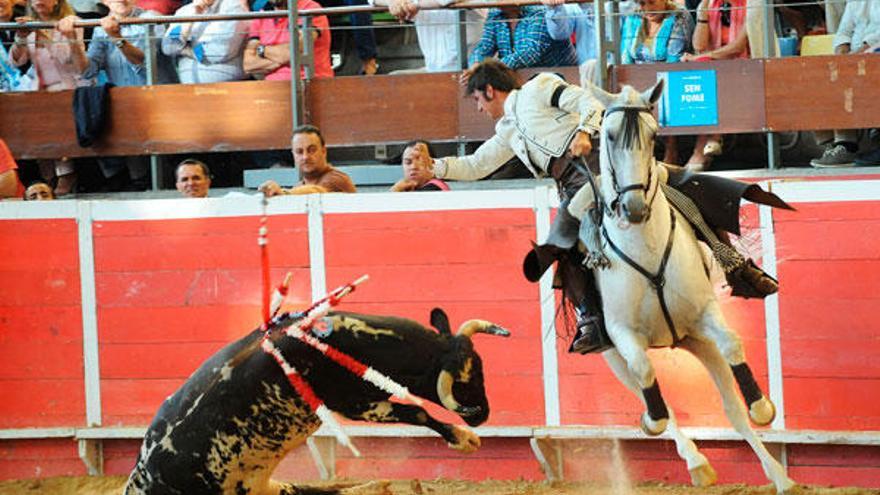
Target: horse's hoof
{"points": [[703, 475], [762, 411], [789, 487], [651, 427]]}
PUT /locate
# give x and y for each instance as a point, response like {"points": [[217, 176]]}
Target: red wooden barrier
{"points": [[170, 292], [41, 324]]}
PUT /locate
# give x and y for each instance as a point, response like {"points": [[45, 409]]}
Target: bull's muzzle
{"points": [[444, 391]]}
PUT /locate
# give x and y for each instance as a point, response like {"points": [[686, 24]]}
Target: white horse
{"points": [[656, 291]]}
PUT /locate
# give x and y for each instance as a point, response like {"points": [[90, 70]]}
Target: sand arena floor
{"points": [[85, 485]]}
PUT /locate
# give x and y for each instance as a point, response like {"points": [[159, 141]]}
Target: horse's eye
{"points": [[610, 137]]}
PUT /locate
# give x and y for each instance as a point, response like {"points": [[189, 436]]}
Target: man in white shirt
{"points": [[436, 29]]}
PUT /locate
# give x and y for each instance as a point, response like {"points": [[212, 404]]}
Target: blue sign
{"points": [[690, 98]]}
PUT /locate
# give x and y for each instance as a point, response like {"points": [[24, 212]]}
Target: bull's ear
{"points": [[440, 321]]}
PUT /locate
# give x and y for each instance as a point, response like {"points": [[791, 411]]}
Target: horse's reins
{"points": [[658, 280]]}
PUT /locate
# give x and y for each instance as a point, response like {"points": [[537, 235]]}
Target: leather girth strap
{"points": [[658, 280]]}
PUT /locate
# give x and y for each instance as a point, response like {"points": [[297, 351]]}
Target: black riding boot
{"points": [[748, 279], [579, 286]]}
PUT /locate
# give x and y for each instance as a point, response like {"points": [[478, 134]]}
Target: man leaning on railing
{"points": [[267, 53], [859, 32], [208, 52], [437, 30]]}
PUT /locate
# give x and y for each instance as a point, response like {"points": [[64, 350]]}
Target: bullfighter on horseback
{"points": [[548, 125]]}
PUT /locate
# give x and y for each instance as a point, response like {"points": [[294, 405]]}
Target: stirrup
{"points": [[750, 281], [596, 260], [591, 336]]}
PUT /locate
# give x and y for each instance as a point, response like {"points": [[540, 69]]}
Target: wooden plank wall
{"points": [[171, 292], [828, 92], [41, 344], [159, 119], [754, 95]]}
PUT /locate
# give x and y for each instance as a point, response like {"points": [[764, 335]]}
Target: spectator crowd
{"points": [[547, 35]]}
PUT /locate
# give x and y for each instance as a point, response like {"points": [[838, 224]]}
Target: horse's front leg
{"points": [[631, 347], [702, 473], [761, 409], [457, 437]]}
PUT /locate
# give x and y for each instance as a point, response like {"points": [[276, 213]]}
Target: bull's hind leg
{"points": [[632, 350], [702, 473], [721, 373], [761, 409]]}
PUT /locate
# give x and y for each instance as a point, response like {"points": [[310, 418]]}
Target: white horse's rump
{"points": [[638, 222]]}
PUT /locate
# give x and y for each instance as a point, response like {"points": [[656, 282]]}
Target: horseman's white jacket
{"points": [[532, 128]]}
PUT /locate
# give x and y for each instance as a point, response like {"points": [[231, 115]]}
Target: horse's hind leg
{"points": [[761, 409], [702, 473], [721, 373]]}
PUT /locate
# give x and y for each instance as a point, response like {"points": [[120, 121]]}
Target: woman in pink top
{"points": [[57, 66], [49, 50], [267, 53], [720, 35]]}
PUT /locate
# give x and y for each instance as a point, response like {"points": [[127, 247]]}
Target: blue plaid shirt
{"points": [[529, 46]]}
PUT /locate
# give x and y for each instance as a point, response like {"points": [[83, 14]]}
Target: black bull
{"points": [[227, 428]]}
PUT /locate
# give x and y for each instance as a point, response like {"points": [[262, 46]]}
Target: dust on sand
{"points": [[112, 485]]}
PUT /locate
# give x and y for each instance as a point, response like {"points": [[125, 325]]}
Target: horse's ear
{"points": [[604, 97], [440, 321], [653, 94]]}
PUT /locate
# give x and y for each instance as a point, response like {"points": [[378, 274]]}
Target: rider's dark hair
{"points": [[495, 73]]}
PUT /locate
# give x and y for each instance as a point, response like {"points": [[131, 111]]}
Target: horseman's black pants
{"points": [[578, 284]]}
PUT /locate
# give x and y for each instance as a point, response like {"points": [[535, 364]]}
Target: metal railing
{"points": [[608, 44]]}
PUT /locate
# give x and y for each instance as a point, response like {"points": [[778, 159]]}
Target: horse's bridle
{"points": [[620, 191], [658, 279]]}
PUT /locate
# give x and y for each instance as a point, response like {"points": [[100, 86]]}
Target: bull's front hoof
{"points": [[465, 440], [703, 475], [651, 427], [762, 412], [372, 488]]}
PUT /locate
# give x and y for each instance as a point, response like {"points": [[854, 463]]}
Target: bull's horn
{"points": [[444, 391], [471, 327]]}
